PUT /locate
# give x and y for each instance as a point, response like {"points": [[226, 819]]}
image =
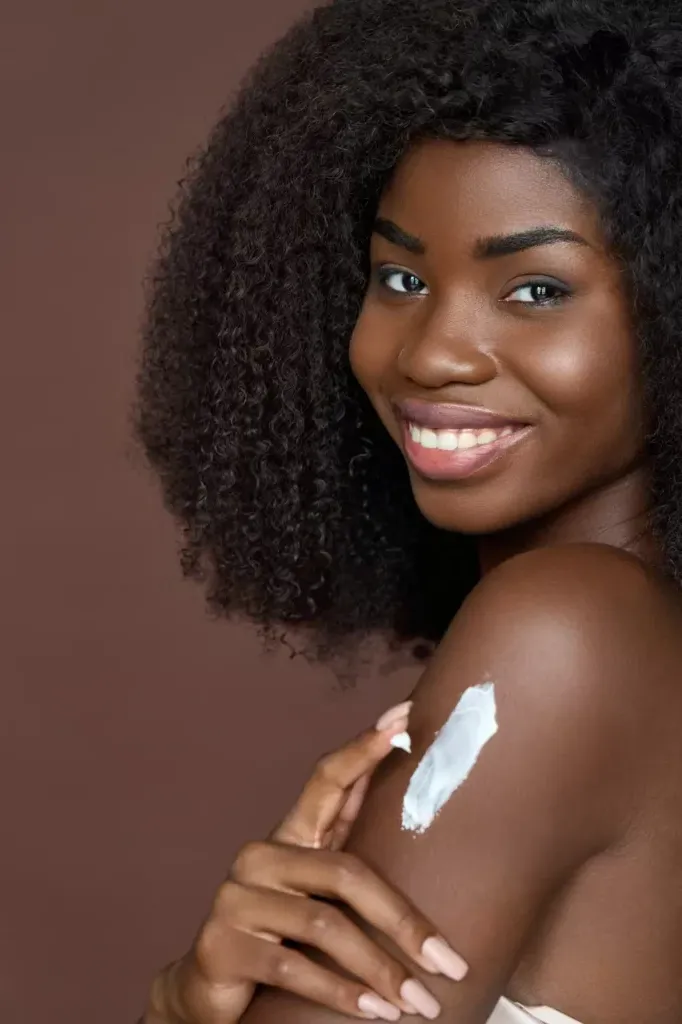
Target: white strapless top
{"points": [[507, 1012]]}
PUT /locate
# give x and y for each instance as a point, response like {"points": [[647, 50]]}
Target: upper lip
{"points": [[449, 414]]}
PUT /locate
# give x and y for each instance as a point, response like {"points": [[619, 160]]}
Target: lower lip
{"points": [[437, 464]]}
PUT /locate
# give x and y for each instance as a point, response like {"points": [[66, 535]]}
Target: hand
{"points": [[269, 897]]}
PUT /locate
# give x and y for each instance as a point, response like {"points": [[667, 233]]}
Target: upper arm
{"points": [[551, 788]]}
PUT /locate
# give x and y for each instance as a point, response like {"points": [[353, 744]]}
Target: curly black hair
{"points": [[295, 504]]}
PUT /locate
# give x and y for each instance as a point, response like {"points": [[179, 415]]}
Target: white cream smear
{"points": [[450, 758], [403, 741]]}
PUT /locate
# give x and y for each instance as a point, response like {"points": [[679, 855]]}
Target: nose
{"points": [[440, 353]]}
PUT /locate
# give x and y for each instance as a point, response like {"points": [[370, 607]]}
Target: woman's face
{"points": [[496, 343]]}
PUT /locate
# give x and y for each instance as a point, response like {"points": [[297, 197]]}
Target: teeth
{"points": [[486, 437], [428, 439], [452, 440]]}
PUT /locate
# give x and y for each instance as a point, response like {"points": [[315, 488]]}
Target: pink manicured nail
{"points": [[372, 1004], [413, 992], [393, 715], [444, 959]]}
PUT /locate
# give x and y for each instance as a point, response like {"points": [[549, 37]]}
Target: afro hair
{"points": [[295, 506]]}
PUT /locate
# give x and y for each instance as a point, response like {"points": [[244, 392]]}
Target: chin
{"points": [[472, 514], [447, 516]]}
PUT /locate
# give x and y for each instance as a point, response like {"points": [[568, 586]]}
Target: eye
{"points": [[385, 274], [539, 293]]}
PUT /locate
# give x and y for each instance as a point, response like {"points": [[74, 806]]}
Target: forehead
{"points": [[460, 191]]}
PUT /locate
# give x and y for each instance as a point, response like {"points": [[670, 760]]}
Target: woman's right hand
{"points": [[278, 891]]}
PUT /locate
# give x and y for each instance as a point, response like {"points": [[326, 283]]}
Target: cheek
{"points": [[589, 375], [369, 353]]}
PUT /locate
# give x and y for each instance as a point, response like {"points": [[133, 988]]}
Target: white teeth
{"points": [[448, 440], [486, 437], [428, 439], [451, 440]]}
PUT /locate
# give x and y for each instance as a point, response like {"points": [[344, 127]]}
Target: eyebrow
{"points": [[485, 248]]}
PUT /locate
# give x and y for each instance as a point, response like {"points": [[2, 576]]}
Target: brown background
{"points": [[141, 742]]}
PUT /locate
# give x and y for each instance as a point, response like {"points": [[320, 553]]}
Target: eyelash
{"points": [[383, 273]]}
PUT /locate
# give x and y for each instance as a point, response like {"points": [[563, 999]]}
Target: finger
{"points": [[325, 793], [320, 925], [340, 830], [342, 876], [246, 956], [355, 799]]}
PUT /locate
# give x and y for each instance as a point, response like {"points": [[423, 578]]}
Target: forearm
{"points": [[275, 1006]]}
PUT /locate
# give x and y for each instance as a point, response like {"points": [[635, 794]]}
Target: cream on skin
{"points": [[448, 762]]}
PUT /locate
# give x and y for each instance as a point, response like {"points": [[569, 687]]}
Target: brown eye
{"points": [[411, 284], [539, 293]]}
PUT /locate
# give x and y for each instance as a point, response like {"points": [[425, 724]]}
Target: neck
{"points": [[616, 514]]}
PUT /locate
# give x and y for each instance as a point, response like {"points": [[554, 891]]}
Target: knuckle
{"points": [[321, 921], [324, 767], [406, 928], [387, 976], [228, 899], [208, 946], [280, 969], [349, 871], [250, 860], [343, 994]]}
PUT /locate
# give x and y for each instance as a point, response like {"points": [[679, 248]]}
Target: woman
{"points": [[419, 311]]}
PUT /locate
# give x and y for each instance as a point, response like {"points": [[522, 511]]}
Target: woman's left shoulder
{"points": [[600, 585], [562, 655], [591, 618]]}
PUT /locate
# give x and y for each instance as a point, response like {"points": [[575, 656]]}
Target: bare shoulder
{"points": [[598, 613], [582, 645], [579, 579]]}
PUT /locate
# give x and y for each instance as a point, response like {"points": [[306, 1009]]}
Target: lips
{"points": [[459, 463], [446, 415], [454, 442]]}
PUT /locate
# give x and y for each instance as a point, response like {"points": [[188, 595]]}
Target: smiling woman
{"points": [[411, 367]]}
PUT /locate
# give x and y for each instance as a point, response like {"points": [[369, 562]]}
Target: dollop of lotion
{"points": [[449, 760], [403, 741]]}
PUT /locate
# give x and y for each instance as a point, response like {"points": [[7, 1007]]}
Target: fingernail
{"points": [[413, 992], [393, 715], [378, 1007], [444, 959]]}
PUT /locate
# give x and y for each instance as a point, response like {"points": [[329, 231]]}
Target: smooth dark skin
{"points": [[556, 870]]}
